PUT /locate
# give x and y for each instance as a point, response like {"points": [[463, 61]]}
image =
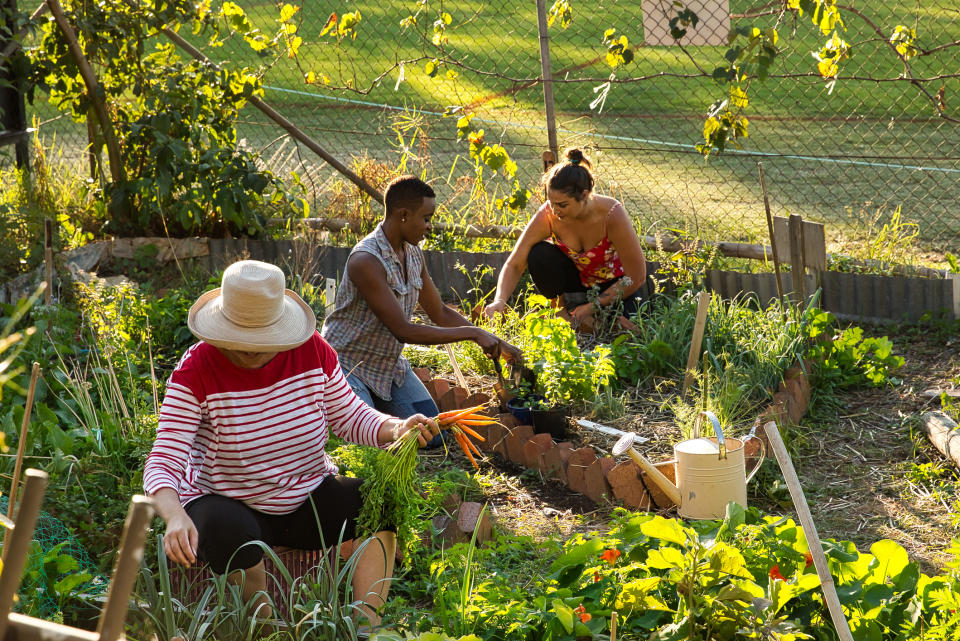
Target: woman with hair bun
{"points": [[577, 241]]}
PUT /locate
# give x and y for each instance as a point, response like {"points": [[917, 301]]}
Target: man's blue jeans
{"points": [[405, 400]]}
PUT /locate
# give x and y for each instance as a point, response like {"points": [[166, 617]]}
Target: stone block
{"points": [[461, 394], [508, 420], [660, 499], [446, 527], [794, 411], [595, 478], [451, 502], [498, 440], [478, 398], [580, 459], [776, 412], [555, 461], [491, 435], [799, 390], [470, 520], [625, 482], [453, 399], [515, 442], [751, 449], [484, 432], [437, 388], [534, 449]]}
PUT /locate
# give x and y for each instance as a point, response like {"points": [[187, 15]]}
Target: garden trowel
{"points": [[521, 377]]}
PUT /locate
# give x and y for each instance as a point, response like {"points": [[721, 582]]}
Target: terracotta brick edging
{"points": [[603, 478]]}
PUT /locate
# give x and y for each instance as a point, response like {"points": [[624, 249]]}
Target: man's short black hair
{"points": [[406, 192]]}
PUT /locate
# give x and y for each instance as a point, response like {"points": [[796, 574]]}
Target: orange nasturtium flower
{"points": [[809, 559], [775, 573], [582, 613], [611, 556]]}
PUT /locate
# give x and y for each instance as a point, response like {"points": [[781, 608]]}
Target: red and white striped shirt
{"points": [[256, 435]]}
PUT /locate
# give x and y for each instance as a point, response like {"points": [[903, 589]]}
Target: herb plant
{"points": [[390, 497], [565, 374]]}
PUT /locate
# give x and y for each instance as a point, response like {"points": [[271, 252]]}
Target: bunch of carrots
{"points": [[460, 423]]}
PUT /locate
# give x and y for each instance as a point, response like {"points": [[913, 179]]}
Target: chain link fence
{"points": [[849, 158]]}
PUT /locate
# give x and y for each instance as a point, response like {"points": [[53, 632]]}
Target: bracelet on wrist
{"points": [[395, 434]]}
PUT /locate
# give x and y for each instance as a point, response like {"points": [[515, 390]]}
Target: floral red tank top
{"points": [[597, 264]]}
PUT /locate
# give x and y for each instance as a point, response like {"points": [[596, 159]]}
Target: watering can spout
{"points": [[625, 444]]}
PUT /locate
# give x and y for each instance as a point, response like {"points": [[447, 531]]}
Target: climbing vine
{"points": [[184, 170]]}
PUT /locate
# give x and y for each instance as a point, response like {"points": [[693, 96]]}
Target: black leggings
{"points": [[554, 273], [225, 525]]}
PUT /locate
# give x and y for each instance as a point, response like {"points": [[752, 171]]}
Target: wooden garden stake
{"points": [[48, 259], [773, 240], [22, 444], [798, 262], [613, 626], [110, 625], [17, 543], [810, 530], [456, 367], [703, 305]]}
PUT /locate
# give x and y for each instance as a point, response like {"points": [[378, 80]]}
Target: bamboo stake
{"points": [[810, 530], [111, 623], [773, 240], [613, 626], [153, 373], [17, 544], [703, 305], [48, 260], [22, 444], [456, 367]]}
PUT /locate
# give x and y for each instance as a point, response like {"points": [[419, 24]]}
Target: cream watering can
{"points": [[710, 472]]}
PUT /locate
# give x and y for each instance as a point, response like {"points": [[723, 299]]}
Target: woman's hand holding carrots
{"points": [[460, 423]]}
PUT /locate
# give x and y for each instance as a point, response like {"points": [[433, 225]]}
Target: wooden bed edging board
{"points": [[860, 297]]}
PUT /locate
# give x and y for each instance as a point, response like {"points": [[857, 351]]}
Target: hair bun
{"points": [[575, 156]]}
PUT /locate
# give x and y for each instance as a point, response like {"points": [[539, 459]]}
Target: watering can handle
{"points": [[721, 441], [763, 455]]}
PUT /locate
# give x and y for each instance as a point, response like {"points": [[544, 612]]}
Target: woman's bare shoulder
{"points": [[604, 204]]}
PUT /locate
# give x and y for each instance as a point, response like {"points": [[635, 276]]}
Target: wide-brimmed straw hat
{"points": [[252, 311]]}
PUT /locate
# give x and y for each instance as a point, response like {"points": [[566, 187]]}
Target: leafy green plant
{"points": [[178, 167], [848, 358], [390, 489], [565, 374], [748, 576]]}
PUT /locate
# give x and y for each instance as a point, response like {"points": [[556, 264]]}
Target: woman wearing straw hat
{"points": [[240, 448]]}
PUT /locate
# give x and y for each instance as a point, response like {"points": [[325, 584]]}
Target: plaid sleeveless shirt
{"points": [[367, 349]]}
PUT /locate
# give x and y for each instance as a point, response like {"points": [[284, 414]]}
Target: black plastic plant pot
{"points": [[520, 407], [551, 421]]}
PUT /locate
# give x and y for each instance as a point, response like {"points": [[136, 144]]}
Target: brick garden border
{"points": [[602, 478]]}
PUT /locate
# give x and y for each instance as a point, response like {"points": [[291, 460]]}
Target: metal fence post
{"points": [[547, 76]]}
